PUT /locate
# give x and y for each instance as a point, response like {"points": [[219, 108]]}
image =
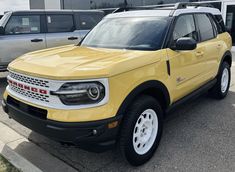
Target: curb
{"points": [[16, 160], [27, 156]]}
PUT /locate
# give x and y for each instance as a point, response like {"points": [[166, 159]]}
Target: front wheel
{"points": [[141, 130], [221, 88]]}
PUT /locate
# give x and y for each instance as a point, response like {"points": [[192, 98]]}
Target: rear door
{"points": [[85, 21], [23, 34], [60, 29], [209, 43]]}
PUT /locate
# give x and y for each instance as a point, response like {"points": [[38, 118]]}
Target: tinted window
{"points": [[214, 25], [23, 25], [185, 27], [220, 23], [60, 23], [128, 33], [86, 21], [205, 27]]}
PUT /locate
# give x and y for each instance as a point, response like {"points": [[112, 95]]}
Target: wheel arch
{"points": [[153, 88], [227, 57]]}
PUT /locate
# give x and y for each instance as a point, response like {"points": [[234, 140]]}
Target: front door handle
{"points": [[72, 38], [36, 40]]}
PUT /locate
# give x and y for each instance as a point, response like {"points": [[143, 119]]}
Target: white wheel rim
{"points": [[225, 80], [145, 131]]}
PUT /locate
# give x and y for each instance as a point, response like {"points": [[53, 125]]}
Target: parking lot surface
{"points": [[199, 136]]}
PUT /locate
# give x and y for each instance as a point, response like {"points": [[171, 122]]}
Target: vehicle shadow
{"points": [[192, 136]]}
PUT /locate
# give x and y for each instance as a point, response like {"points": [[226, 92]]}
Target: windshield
{"points": [[4, 18], [128, 33]]}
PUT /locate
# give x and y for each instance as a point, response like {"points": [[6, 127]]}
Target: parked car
{"points": [[118, 84], [25, 31]]}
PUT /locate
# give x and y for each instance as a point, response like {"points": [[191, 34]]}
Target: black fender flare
{"points": [[226, 54], [152, 84]]}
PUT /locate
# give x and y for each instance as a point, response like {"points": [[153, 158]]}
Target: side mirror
{"points": [[2, 30], [184, 44]]}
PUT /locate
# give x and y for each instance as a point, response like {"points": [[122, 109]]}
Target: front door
{"points": [[187, 67], [22, 35]]}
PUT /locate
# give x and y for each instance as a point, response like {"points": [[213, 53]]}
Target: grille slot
{"points": [[29, 80], [30, 110]]}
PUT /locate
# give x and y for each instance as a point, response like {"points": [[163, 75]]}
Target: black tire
{"points": [[133, 113], [216, 91]]}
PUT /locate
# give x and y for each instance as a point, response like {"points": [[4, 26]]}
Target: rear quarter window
{"points": [[220, 23]]}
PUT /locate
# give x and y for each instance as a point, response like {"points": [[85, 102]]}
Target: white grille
{"points": [[29, 80], [43, 98]]}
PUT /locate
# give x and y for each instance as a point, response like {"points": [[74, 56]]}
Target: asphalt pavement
{"points": [[199, 136]]}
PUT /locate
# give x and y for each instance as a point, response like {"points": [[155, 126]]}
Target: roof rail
{"points": [[180, 5], [183, 5]]}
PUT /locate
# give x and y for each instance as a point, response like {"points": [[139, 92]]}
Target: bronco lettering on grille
{"points": [[27, 88]]}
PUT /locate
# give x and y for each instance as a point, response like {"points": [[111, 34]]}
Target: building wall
{"points": [[37, 4], [93, 4], [75, 4], [52, 4]]}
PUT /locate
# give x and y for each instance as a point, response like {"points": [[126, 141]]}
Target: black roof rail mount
{"points": [[180, 5]]}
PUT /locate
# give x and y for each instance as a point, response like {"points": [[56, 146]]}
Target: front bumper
{"points": [[3, 68], [93, 136]]}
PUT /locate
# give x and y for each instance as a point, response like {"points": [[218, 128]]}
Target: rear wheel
{"points": [[141, 130], [221, 88]]}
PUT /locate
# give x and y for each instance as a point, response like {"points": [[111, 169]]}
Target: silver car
{"points": [[26, 31]]}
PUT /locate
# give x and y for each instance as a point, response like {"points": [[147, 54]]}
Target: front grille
{"points": [[40, 97], [30, 110], [29, 80]]}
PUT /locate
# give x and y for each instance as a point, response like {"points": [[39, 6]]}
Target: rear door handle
{"points": [[72, 38], [199, 54], [36, 40]]}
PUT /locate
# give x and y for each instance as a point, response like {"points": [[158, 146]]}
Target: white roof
{"points": [[140, 13], [213, 11], [165, 12]]}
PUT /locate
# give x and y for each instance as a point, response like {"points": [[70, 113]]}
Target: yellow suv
{"points": [[116, 86]]}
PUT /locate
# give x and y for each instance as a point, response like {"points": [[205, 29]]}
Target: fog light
{"points": [[95, 132]]}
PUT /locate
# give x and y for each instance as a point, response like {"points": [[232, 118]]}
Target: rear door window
{"points": [[86, 21], [60, 23], [23, 25], [205, 27]]}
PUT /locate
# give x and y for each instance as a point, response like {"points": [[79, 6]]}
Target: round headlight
{"points": [[94, 93], [81, 93]]}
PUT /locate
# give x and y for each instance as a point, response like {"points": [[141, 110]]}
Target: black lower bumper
{"points": [[93, 136]]}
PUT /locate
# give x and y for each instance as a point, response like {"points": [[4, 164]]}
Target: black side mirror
{"points": [[184, 44], [2, 30]]}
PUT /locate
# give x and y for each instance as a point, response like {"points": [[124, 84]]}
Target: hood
{"points": [[74, 62]]}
